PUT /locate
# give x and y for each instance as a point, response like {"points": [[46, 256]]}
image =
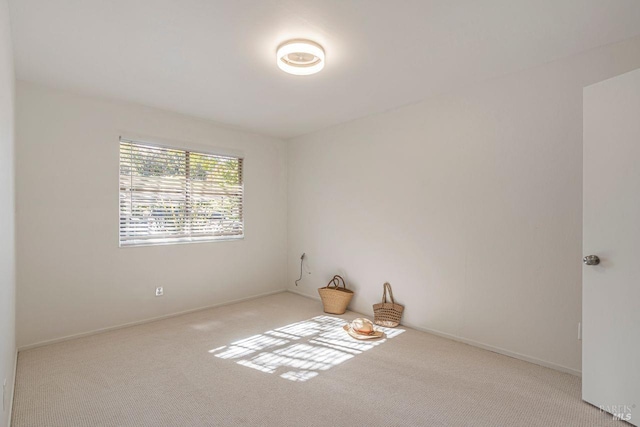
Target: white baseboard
{"points": [[315, 297], [498, 350], [13, 389], [140, 322]]}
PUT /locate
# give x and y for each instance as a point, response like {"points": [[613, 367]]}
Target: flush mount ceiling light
{"points": [[300, 57]]}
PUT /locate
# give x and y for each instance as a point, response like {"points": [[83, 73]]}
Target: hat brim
{"points": [[354, 334]]}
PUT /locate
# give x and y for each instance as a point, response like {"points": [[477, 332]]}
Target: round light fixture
{"points": [[300, 57]]}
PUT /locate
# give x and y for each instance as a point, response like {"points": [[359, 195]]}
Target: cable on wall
{"points": [[301, 261]]}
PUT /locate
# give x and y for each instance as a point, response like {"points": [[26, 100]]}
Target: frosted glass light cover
{"points": [[300, 57]]}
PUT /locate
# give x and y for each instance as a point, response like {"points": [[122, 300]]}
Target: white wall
{"points": [[72, 276], [469, 203], [7, 242]]}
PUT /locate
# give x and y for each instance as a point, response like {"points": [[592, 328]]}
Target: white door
{"points": [[611, 231]]}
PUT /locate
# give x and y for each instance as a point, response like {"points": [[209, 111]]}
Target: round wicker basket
{"points": [[335, 299]]}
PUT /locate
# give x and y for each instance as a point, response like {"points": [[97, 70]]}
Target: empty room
{"points": [[319, 213]]}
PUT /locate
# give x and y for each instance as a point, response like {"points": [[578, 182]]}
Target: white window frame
{"points": [[183, 239]]}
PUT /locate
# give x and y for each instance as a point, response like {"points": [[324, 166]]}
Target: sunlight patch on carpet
{"points": [[299, 351]]}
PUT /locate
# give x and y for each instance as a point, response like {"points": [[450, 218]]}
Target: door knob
{"points": [[591, 260]]}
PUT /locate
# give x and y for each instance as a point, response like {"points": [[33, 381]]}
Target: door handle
{"points": [[591, 260]]}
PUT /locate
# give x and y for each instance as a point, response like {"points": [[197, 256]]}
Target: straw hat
{"points": [[362, 329]]}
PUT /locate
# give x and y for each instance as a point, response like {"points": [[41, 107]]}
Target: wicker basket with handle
{"points": [[335, 299], [387, 313]]}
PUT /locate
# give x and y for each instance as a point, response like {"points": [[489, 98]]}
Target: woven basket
{"points": [[387, 313], [335, 299]]}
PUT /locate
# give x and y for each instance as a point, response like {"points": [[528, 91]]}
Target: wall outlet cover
{"points": [[159, 291]]}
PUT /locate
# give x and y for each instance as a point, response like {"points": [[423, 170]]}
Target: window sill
{"points": [[185, 241]]}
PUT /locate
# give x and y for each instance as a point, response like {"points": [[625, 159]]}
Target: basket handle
{"points": [[386, 286], [336, 281]]}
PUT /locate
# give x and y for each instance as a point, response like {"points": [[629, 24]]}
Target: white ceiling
{"points": [[216, 58]]}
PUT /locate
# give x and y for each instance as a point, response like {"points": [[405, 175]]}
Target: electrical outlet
{"points": [[159, 291]]}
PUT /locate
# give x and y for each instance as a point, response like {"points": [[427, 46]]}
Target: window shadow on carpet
{"points": [[299, 351]]}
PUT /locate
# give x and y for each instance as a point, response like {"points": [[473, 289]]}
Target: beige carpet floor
{"points": [[280, 361]]}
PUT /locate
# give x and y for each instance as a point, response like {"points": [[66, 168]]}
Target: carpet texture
{"points": [[280, 361]]}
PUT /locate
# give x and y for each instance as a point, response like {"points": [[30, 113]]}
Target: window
{"points": [[169, 195]]}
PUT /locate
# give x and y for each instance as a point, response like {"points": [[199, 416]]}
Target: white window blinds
{"points": [[169, 195]]}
